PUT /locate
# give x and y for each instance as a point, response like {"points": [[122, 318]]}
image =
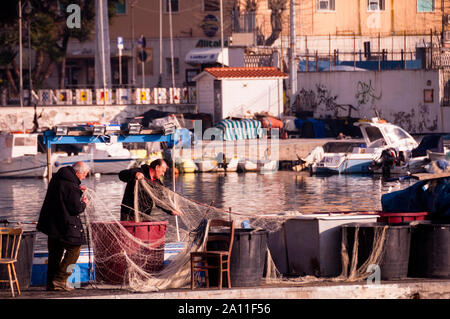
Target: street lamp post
{"points": [[29, 58], [133, 56]]}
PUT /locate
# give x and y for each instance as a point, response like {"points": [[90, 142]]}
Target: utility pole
{"points": [[171, 44], [160, 43], [221, 33], [292, 56], [443, 23], [20, 56], [29, 58]]}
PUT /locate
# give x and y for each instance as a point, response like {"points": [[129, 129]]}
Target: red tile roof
{"points": [[260, 72]]}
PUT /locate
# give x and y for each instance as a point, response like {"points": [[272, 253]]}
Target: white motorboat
{"points": [[436, 156], [211, 165], [20, 157], [206, 165], [262, 166], [186, 165], [230, 165], [102, 158], [354, 157]]}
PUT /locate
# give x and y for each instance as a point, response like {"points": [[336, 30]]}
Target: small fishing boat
{"points": [[80, 270], [262, 166], [431, 148], [230, 166], [186, 166], [436, 156], [206, 165], [212, 165], [21, 156], [354, 157], [85, 264], [102, 158]]}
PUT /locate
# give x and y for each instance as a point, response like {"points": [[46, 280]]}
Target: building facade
{"points": [[192, 24], [352, 28]]}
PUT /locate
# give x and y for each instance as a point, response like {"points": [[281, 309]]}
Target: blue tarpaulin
{"points": [[318, 126], [420, 197]]}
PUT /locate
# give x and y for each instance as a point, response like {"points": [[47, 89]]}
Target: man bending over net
{"points": [[155, 195]]}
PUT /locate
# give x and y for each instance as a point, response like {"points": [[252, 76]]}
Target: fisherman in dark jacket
{"points": [[60, 221], [152, 174]]}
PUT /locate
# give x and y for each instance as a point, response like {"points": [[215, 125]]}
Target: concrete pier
{"points": [[405, 289], [275, 149]]}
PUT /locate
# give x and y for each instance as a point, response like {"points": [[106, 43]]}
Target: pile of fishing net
{"points": [[131, 254]]}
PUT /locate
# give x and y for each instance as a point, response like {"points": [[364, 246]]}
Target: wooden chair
{"points": [[9, 247], [199, 259]]}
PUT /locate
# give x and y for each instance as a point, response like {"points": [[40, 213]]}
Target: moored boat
{"points": [[20, 156], [186, 166], [380, 138]]}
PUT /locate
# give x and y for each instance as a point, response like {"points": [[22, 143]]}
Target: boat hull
{"points": [[352, 166], [25, 166], [259, 166], [207, 166], [412, 167]]}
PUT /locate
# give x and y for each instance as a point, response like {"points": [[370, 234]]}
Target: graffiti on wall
{"points": [[309, 100], [366, 96], [368, 101], [419, 121], [305, 101]]}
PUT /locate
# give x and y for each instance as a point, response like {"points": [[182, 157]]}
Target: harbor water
{"points": [[255, 193]]}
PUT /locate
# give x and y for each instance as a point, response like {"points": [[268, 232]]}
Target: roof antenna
{"points": [[377, 113]]}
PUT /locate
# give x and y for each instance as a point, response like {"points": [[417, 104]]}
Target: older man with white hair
{"points": [[60, 221]]}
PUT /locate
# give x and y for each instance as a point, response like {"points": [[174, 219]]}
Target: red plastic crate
{"points": [[149, 257], [397, 218], [148, 232]]}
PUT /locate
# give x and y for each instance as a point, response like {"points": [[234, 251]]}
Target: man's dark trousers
{"points": [[57, 263]]}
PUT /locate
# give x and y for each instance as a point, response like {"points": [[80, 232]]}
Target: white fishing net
{"points": [[153, 251], [132, 253]]}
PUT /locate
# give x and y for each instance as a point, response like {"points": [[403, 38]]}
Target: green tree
{"points": [[277, 7], [49, 36]]}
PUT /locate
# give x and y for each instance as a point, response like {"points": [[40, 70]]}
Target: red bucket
{"points": [[397, 218], [111, 243]]}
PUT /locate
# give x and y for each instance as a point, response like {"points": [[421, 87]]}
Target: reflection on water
{"points": [[21, 199]]}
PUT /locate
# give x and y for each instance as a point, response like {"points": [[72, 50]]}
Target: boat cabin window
{"points": [[374, 134], [25, 141], [395, 134]]}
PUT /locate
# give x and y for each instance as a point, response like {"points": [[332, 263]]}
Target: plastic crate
{"points": [[397, 218], [148, 255]]}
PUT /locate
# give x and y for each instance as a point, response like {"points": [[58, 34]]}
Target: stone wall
{"points": [[16, 118], [410, 99]]}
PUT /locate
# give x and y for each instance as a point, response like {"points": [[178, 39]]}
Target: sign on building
{"points": [[103, 96], [123, 96], [83, 96], [142, 96], [46, 97], [63, 97]]}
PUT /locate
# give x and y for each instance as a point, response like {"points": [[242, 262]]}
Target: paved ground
{"points": [[404, 289]]}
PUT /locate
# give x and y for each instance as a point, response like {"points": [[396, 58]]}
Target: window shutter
{"points": [[332, 6], [382, 6]]}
